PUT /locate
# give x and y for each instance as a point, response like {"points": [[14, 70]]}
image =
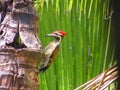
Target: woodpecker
{"points": [[52, 49]]}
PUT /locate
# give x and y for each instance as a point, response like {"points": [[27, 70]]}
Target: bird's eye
{"points": [[59, 34], [56, 33]]}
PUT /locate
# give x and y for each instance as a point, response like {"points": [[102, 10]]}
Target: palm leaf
{"points": [[102, 81], [88, 48]]}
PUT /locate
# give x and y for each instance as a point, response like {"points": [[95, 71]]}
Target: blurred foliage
{"points": [[88, 48]]}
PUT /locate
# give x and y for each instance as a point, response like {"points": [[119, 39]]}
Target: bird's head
{"points": [[57, 34]]}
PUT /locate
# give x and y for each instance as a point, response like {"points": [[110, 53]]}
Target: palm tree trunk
{"points": [[20, 48], [18, 69]]}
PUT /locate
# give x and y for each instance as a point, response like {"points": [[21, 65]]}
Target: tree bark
{"points": [[20, 48]]}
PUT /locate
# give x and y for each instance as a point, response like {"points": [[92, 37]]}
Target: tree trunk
{"points": [[20, 48]]}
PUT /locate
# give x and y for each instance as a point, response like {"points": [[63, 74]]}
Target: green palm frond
{"points": [[87, 50]]}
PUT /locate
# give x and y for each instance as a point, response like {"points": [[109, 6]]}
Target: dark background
{"points": [[116, 23]]}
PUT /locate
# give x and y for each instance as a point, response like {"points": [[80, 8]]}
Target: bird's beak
{"points": [[50, 35]]}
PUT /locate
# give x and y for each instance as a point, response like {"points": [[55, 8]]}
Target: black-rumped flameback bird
{"points": [[52, 49]]}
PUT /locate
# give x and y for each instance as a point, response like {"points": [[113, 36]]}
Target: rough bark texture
{"points": [[20, 48], [19, 69]]}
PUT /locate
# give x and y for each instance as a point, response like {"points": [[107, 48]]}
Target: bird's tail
{"points": [[44, 64], [43, 69]]}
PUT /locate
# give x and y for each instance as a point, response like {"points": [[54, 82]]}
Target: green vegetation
{"points": [[88, 48]]}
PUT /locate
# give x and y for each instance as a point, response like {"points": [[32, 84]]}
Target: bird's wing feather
{"points": [[49, 58], [54, 55]]}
